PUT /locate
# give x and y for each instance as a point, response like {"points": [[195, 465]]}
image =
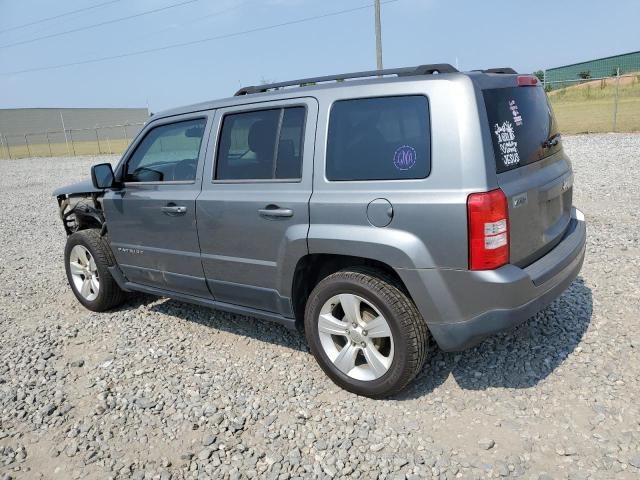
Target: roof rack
{"points": [[400, 72], [505, 70]]}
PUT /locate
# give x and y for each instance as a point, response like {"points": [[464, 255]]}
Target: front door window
{"points": [[168, 153]]}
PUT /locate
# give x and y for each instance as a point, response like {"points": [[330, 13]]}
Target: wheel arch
{"points": [[312, 268]]}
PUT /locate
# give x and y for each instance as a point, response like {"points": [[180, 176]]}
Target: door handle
{"points": [[274, 211], [174, 210]]}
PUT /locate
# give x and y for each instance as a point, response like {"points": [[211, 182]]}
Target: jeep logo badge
{"points": [[520, 200]]}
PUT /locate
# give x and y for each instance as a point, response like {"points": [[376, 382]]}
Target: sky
{"points": [[275, 40]]}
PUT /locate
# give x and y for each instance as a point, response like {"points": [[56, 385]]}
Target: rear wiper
{"points": [[552, 141]]}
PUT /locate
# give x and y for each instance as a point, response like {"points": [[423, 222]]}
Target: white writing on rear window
{"points": [[517, 118], [507, 143]]}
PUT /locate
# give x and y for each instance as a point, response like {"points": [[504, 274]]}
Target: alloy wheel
{"points": [[84, 272], [356, 337]]}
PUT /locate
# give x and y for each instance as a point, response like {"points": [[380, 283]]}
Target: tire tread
{"points": [[112, 295], [397, 299]]}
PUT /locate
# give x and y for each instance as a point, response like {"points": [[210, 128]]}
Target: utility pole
{"points": [[378, 36]]}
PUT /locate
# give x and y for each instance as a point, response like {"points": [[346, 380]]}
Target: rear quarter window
{"points": [[382, 138], [520, 121]]}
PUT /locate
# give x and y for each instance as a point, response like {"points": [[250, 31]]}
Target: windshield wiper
{"points": [[552, 141]]}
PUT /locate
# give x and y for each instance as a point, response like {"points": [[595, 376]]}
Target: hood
{"points": [[79, 188]]}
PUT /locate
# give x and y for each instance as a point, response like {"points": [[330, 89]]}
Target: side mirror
{"points": [[102, 176]]}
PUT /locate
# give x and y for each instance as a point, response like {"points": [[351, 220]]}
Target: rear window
{"points": [[521, 120], [383, 138]]}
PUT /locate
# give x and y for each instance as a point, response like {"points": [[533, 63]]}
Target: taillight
{"points": [[527, 80], [488, 230]]}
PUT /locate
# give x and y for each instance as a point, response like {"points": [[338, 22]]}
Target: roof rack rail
{"points": [[505, 70], [400, 72]]}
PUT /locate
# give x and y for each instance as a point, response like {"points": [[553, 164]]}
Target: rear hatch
{"points": [[531, 166]]}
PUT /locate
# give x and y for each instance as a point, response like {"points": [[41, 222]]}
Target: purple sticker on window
{"points": [[405, 157]]}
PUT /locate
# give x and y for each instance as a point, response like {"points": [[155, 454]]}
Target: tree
{"points": [[540, 75], [585, 75]]}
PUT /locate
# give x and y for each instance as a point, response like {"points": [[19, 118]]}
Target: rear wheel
{"points": [[365, 332], [87, 258]]}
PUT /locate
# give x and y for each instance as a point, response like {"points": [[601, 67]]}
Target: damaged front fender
{"points": [[83, 188], [80, 206]]}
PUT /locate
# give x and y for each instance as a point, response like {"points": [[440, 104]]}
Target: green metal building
{"points": [[559, 77]]}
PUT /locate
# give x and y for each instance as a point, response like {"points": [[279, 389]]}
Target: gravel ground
{"points": [[161, 389]]}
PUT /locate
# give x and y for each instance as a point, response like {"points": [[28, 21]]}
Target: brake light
{"points": [[527, 80], [488, 219]]}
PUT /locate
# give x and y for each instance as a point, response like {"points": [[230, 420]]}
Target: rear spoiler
{"points": [[503, 70]]}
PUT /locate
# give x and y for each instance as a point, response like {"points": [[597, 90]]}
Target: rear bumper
{"points": [[461, 307]]}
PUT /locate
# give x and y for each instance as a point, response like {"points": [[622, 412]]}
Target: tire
{"points": [[103, 294], [400, 355]]}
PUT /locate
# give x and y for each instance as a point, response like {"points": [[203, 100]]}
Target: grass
{"points": [[60, 149], [589, 107]]}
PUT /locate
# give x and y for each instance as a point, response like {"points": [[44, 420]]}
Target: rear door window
{"points": [[521, 121], [261, 145], [382, 138]]}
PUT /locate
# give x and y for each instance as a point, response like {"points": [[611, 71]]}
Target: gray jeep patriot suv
{"points": [[371, 210]]}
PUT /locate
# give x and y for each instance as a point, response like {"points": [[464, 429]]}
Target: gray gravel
{"points": [[161, 389]]}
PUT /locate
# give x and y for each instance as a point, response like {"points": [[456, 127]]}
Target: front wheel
{"points": [[87, 257], [365, 332]]}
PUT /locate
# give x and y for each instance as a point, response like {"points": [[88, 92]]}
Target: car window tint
{"points": [[521, 121], [167, 153], [251, 141], [289, 163], [383, 138]]}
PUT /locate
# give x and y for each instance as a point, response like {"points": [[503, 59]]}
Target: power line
{"points": [[230, 9], [201, 17], [88, 27], [202, 40], [42, 20]]}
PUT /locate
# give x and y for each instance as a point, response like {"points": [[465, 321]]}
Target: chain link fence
{"points": [[600, 104], [106, 139], [598, 95]]}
